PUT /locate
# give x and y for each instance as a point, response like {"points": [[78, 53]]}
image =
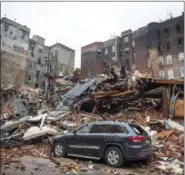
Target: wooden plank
{"points": [[179, 108]]}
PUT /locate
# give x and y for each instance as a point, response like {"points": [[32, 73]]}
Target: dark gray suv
{"points": [[115, 142]]}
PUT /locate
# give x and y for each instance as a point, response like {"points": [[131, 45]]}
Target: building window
{"points": [[106, 51], [6, 27], [133, 43], [161, 74], [169, 60], [160, 61], [126, 51], [37, 73], [50, 66], [168, 45], [45, 68], [46, 58], [113, 48], [126, 39], [178, 28], [159, 47], [39, 60], [179, 42], [99, 52], [166, 32], [36, 85], [170, 74], [182, 72], [181, 56], [53, 66], [158, 33], [29, 77], [30, 65], [113, 58], [40, 50]]}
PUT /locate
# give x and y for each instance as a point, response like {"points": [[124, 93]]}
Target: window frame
{"points": [[126, 39], [181, 58], [182, 74], [114, 49], [169, 57], [86, 125], [116, 125], [161, 71], [100, 125], [30, 80], [106, 51], [160, 59]]}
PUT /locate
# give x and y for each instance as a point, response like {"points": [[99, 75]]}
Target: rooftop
{"points": [[63, 46]]}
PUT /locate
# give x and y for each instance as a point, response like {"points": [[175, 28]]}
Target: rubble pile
{"points": [[27, 119]]}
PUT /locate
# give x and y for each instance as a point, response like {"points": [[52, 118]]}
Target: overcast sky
{"points": [[76, 24]]}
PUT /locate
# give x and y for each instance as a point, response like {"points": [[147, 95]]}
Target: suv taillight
{"points": [[136, 139]]}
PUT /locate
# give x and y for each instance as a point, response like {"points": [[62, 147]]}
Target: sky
{"points": [[76, 24]]}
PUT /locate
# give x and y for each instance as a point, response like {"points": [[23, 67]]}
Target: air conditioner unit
{"points": [[181, 56]]}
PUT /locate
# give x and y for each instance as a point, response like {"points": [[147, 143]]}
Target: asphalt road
{"points": [[39, 166]]}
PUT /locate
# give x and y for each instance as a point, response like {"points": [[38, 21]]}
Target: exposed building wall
{"points": [[96, 56], [63, 58], [141, 53], [14, 52], [127, 50], [37, 67]]}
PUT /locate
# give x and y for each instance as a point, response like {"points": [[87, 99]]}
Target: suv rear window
{"points": [[138, 130]]}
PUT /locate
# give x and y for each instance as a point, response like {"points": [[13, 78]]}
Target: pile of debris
{"points": [[27, 118]]}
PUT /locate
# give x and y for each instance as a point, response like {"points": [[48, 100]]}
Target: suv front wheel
{"points": [[114, 157]]}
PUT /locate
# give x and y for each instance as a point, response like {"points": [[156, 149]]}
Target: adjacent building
{"points": [[44, 61], [14, 52], [156, 49], [30, 61], [97, 56]]}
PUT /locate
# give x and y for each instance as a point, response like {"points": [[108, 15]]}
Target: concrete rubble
{"points": [[29, 121]]}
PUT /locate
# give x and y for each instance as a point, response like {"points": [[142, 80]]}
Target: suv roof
{"points": [[107, 122]]}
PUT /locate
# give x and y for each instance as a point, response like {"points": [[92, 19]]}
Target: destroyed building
{"points": [[156, 49], [14, 52], [44, 60], [36, 62], [28, 61]]}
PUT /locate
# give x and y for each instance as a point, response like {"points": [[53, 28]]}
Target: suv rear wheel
{"points": [[114, 157], [59, 149]]}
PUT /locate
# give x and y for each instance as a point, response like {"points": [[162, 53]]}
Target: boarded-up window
{"points": [[182, 72], [170, 74], [169, 60], [181, 56]]}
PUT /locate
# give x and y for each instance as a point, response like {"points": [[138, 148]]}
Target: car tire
{"points": [[59, 149], [114, 157]]}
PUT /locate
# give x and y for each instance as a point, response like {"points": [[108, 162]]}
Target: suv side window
{"points": [[84, 129], [116, 129], [99, 129]]}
